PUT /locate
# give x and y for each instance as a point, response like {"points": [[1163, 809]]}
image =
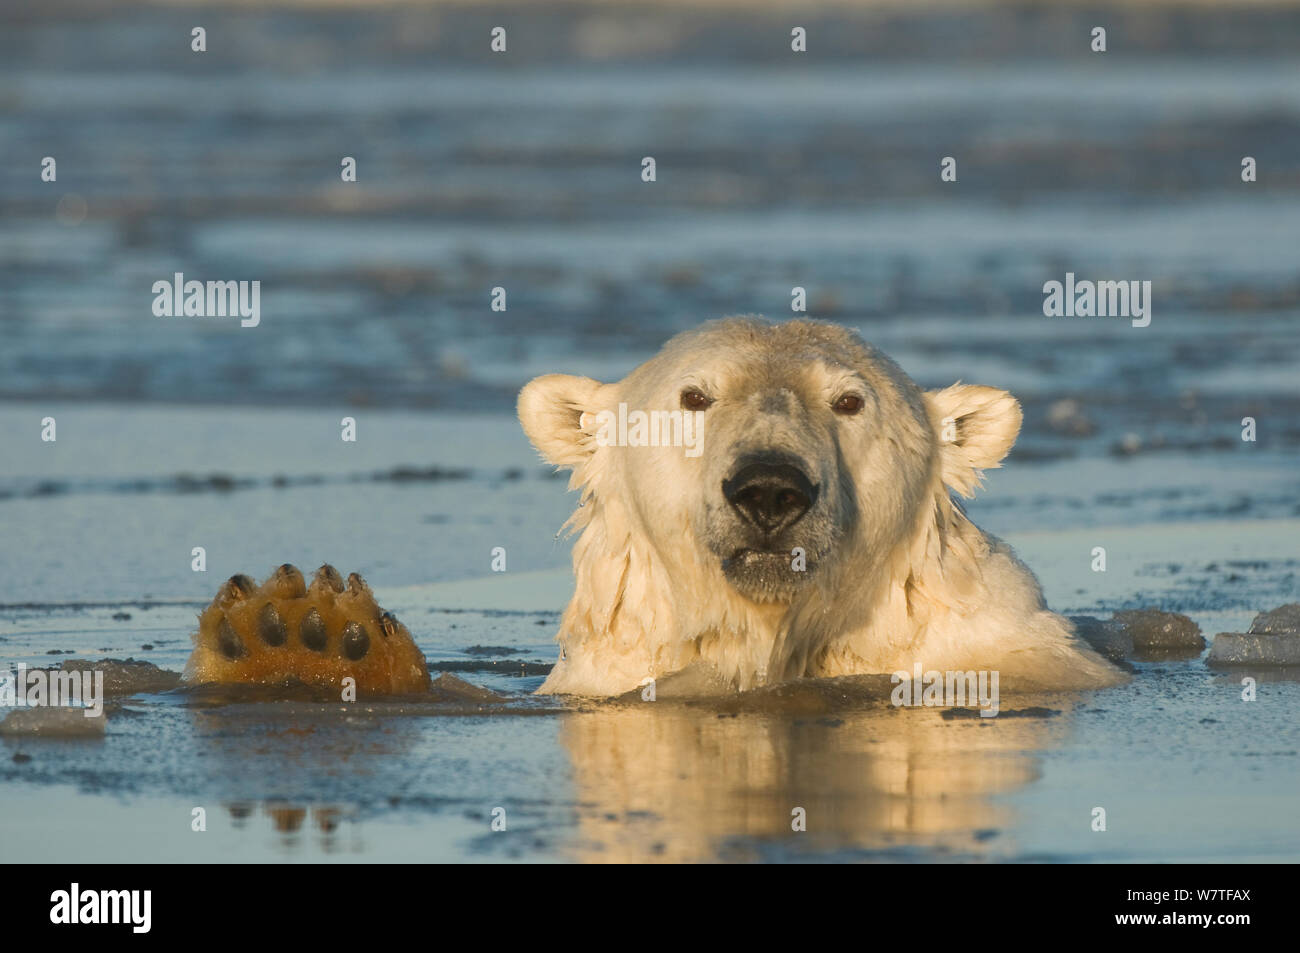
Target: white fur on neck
{"points": [[634, 618]]}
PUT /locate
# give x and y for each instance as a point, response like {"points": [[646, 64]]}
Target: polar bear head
{"points": [[749, 470]]}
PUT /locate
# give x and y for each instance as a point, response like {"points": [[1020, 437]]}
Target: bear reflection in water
{"points": [[679, 782], [289, 820]]}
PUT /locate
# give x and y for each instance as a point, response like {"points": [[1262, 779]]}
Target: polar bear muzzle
{"points": [[771, 533], [771, 493]]}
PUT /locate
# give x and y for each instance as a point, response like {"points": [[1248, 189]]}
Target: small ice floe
{"points": [[447, 687], [68, 701], [1273, 639], [1127, 445], [127, 676], [1067, 417], [1108, 639], [1159, 634], [1145, 635], [51, 722], [1284, 620]]}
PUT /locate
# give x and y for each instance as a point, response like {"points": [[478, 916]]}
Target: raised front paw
{"points": [[286, 630]]}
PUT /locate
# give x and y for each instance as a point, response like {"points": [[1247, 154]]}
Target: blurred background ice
{"points": [[775, 169], [522, 170]]}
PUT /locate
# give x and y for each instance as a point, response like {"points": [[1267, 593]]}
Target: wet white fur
{"points": [[915, 582]]}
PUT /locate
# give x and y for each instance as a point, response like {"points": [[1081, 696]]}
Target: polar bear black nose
{"points": [[771, 496]]}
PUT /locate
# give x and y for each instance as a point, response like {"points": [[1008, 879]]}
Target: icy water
{"points": [[476, 172], [1183, 766]]}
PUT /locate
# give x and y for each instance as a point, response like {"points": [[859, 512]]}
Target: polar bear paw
{"points": [[286, 630]]}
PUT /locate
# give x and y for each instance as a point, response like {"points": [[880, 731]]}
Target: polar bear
{"points": [[765, 501]]}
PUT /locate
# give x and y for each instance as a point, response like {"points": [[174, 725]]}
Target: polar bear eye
{"points": [[694, 399], [847, 404]]}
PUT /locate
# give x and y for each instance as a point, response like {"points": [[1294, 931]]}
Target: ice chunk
{"points": [[1244, 648], [447, 687], [1273, 639], [1067, 417], [1109, 639], [127, 676], [1143, 634], [1284, 619], [51, 722], [1159, 634]]}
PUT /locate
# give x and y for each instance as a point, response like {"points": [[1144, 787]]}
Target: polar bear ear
{"points": [[551, 408], [976, 427]]}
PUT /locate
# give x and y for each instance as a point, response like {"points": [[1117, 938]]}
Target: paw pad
{"points": [[312, 631], [271, 627], [317, 633]]}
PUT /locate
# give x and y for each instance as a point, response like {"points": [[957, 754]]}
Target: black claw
{"points": [[228, 640], [388, 624], [238, 586], [356, 641], [312, 631], [289, 575], [271, 627], [328, 575]]}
